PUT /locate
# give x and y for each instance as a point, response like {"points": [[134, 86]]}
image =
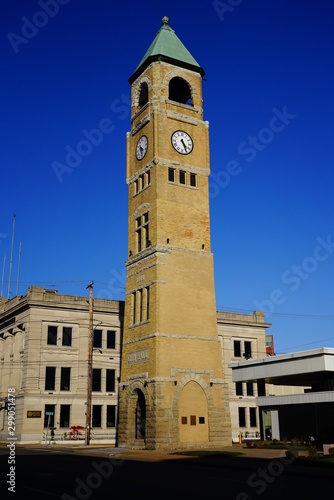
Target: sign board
{"points": [[34, 414], [138, 356], [48, 413]]}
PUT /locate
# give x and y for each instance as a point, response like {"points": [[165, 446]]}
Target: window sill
{"points": [[141, 190], [139, 324], [182, 185]]}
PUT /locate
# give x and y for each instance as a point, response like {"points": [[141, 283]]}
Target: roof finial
{"points": [[165, 20]]}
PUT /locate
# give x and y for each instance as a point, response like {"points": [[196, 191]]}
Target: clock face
{"points": [[141, 147], [182, 142]]}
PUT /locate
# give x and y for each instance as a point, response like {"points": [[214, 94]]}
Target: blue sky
{"points": [[268, 96]]}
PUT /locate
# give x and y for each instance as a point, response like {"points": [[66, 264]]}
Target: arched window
{"points": [[140, 416], [143, 96], [179, 91]]}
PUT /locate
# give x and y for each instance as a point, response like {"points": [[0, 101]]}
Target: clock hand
{"points": [[185, 147]]}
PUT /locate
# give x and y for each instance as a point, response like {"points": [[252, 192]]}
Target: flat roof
{"points": [[297, 368]]}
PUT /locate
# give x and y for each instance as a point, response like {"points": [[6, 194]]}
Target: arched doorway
{"points": [[140, 415], [193, 414]]}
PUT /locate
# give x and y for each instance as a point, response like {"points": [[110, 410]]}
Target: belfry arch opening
{"points": [[143, 96], [179, 91]]}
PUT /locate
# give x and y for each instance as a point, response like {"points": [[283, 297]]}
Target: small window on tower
{"points": [[171, 175], [193, 182], [182, 177], [143, 97]]}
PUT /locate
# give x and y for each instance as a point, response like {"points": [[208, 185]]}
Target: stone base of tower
{"points": [[169, 415]]}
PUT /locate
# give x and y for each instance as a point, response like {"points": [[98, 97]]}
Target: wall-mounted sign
{"points": [[34, 414], [138, 356]]}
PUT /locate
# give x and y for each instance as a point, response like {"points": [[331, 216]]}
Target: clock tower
{"points": [[172, 390]]}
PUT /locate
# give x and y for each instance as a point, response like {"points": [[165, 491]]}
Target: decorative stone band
{"points": [[172, 335]]}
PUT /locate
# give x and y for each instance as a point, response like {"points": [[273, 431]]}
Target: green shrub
{"points": [[291, 453], [312, 452], [261, 444]]}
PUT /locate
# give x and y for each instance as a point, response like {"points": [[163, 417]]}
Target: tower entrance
{"points": [[140, 416], [193, 414]]}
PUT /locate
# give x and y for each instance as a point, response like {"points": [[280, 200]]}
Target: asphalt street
{"points": [[56, 474]]}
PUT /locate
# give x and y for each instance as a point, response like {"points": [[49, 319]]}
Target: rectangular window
{"points": [[147, 302], [142, 183], [136, 186], [111, 416], [97, 338], [64, 420], [146, 230], [193, 181], [201, 420], [67, 335], [96, 416], [49, 416], [65, 378], [50, 378], [237, 349], [250, 389], [148, 177], [96, 379], [238, 389], [140, 292], [134, 308], [184, 420], [138, 231], [111, 339], [171, 175], [252, 417], [261, 387], [52, 335], [182, 177], [248, 350], [110, 381], [192, 419], [242, 416]]}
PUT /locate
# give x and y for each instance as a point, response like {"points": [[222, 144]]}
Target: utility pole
{"points": [[90, 345]]}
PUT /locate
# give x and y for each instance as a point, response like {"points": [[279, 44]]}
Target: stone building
{"points": [[172, 372], [44, 362], [44, 343]]}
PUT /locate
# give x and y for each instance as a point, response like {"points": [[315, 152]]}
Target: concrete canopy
{"points": [[313, 368]]}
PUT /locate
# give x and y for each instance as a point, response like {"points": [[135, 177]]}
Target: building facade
{"points": [[44, 358], [306, 410], [242, 338], [44, 351]]}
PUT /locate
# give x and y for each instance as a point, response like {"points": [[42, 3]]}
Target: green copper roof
{"points": [[168, 47]]}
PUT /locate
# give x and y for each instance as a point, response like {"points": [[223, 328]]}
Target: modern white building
{"points": [[307, 412]]}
